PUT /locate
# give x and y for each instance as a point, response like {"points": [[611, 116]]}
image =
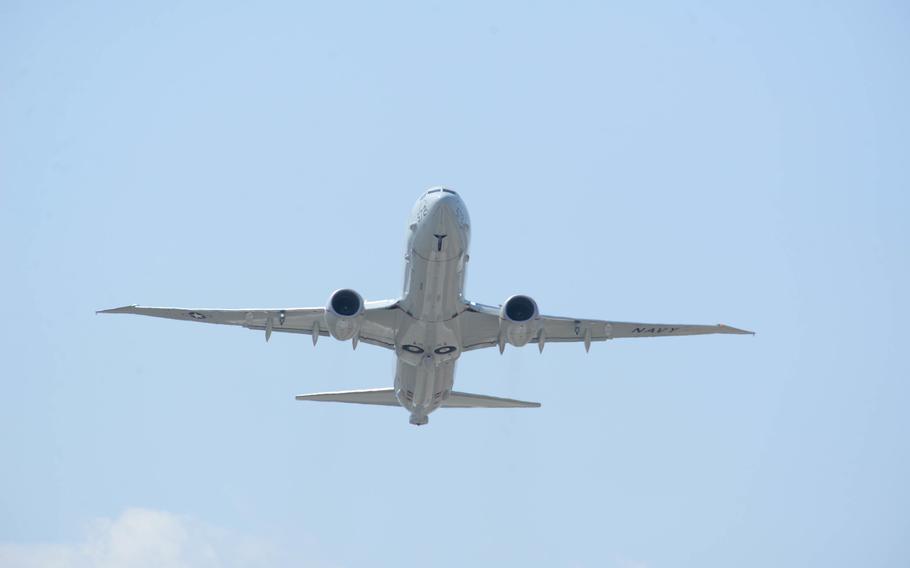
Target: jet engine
{"points": [[344, 314], [518, 320]]}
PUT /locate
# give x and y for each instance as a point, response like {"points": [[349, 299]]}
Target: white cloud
{"points": [[141, 538]]}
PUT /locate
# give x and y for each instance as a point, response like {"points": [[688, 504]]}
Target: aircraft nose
{"points": [[441, 211], [440, 236]]}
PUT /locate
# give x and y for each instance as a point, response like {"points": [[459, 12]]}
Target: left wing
{"points": [[379, 319], [480, 328]]}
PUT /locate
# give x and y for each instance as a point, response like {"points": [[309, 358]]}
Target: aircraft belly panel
{"points": [[422, 388]]}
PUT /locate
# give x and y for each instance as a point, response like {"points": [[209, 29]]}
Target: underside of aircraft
{"points": [[432, 323]]}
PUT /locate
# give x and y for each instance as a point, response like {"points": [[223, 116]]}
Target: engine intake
{"points": [[519, 309], [518, 320], [344, 314]]}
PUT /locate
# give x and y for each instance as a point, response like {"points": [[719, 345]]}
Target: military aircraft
{"points": [[432, 323]]}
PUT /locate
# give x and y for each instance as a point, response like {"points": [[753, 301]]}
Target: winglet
{"points": [[121, 310], [730, 329]]}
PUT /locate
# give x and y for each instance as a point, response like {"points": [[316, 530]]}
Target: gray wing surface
{"points": [[380, 319], [481, 329]]}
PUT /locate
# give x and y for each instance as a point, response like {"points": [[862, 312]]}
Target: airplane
{"points": [[432, 323]]}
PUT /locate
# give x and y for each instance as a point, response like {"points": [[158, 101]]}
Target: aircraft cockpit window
{"points": [[450, 191], [434, 191]]}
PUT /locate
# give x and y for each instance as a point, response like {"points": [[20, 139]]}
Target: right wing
{"points": [[481, 329], [379, 319]]}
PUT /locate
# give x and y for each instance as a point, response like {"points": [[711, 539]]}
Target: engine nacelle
{"points": [[344, 314], [519, 320]]}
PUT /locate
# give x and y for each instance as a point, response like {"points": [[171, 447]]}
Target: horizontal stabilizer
{"points": [[386, 397], [468, 400], [382, 397]]}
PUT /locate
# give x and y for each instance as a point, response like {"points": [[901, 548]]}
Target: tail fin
{"points": [[468, 400]]}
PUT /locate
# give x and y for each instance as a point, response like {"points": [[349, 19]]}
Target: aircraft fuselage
{"points": [[428, 342]]}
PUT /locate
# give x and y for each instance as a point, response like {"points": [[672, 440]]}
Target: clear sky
{"points": [[744, 164]]}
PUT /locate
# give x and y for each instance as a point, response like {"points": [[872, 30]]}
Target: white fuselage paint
{"points": [[429, 341]]}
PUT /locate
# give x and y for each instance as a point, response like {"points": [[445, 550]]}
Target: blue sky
{"points": [[706, 163]]}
